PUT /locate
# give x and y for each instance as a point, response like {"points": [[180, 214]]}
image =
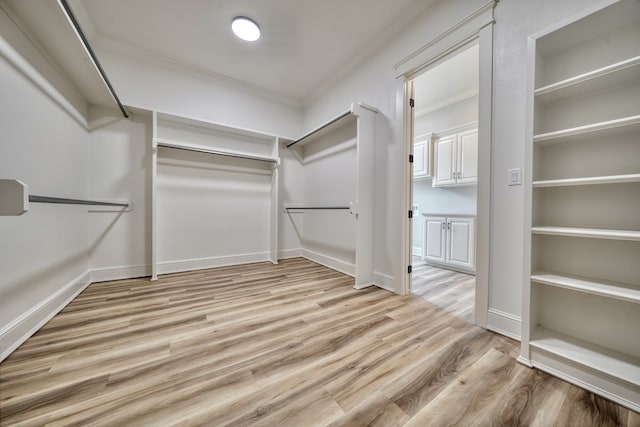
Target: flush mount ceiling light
{"points": [[245, 28]]}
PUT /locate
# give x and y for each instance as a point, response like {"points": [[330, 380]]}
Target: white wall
{"points": [[374, 82], [120, 169], [443, 200], [148, 82], [43, 253], [329, 179], [457, 114]]}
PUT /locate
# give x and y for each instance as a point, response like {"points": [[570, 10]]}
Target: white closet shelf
{"points": [[182, 146], [209, 126], [325, 128], [617, 74], [619, 365], [596, 233], [609, 126], [621, 291], [591, 180]]}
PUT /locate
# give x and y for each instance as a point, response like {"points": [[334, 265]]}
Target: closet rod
{"points": [[61, 201], [342, 116], [219, 153], [94, 59], [303, 208]]}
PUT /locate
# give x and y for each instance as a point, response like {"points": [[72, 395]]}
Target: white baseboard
{"points": [[18, 331], [290, 253], [504, 323], [416, 251], [333, 263], [166, 267], [118, 273], [385, 281]]}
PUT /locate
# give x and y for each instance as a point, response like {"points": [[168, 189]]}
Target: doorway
{"points": [[444, 181]]}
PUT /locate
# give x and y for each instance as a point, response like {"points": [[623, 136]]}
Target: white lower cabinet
{"points": [[449, 241]]}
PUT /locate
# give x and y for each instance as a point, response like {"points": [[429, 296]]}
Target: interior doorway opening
{"points": [[444, 197]]}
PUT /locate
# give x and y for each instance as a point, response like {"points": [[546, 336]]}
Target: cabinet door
{"points": [[467, 157], [445, 161], [434, 238], [461, 242], [420, 163]]}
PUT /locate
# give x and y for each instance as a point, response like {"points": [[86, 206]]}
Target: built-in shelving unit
{"points": [[581, 299], [238, 152]]}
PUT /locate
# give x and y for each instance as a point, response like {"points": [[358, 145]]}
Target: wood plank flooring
{"points": [[450, 290], [285, 345]]}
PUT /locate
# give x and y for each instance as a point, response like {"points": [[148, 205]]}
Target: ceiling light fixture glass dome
{"points": [[245, 28]]}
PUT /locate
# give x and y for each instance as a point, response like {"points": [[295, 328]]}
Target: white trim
{"points": [[20, 329], [384, 281], [523, 360], [446, 42], [166, 267], [416, 251], [106, 274], [333, 263], [504, 323], [14, 58], [290, 253]]}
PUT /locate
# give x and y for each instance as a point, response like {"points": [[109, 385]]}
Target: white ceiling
{"points": [[451, 81], [305, 44]]}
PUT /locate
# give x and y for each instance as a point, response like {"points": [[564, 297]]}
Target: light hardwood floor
{"points": [[450, 290], [285, 345]]}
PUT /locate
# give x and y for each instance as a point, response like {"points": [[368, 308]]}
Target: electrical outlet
{"points": [[515, 176]]}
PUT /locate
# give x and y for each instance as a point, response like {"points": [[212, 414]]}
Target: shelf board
{"points": [[595, 233], [320, 131], [610, 126], [610, 362], [209, 126], [591, 180], [199, 149], [621, 291], [617, 74]]}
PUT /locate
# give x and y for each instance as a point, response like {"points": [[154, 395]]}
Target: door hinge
{"points": [[410, 158], [412, 103], [409, 269], [410, 213]]}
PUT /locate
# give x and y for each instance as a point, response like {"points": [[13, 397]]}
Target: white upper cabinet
{"points": [[422, 157], [468, 157], [456, 157]]}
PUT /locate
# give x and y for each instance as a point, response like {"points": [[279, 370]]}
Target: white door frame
{"points": [[478, 26]]}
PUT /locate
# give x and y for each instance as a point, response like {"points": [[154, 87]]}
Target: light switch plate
{"points": [[515, 176]]}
